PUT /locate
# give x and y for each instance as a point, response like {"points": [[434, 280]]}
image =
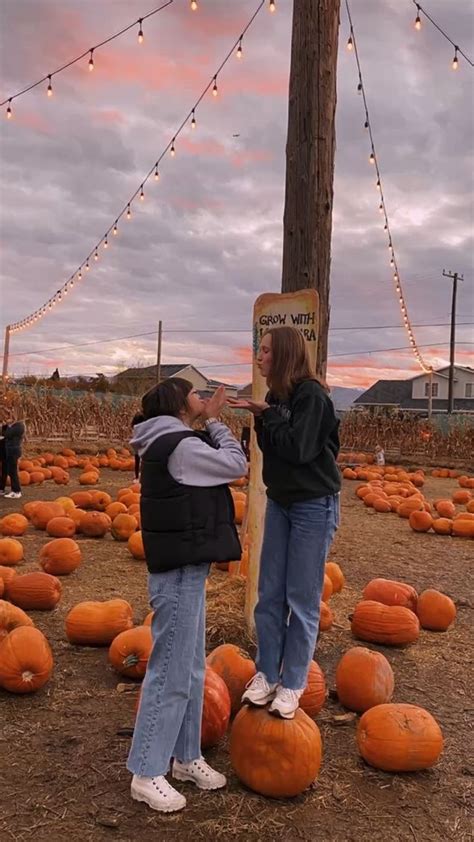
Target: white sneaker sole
{"points": [[281, 715], [185, 776], [258, 703], [166, 808]]}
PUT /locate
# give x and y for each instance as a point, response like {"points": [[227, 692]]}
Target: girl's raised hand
{"points": [[255, 407]]}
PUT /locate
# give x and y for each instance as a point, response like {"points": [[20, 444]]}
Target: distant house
{"points": [[412, 395], [134, 381], [245, 391]]}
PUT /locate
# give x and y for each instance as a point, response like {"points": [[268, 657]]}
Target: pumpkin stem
{"points": [[27, 676]]}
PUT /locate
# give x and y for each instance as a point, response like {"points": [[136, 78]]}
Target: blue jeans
{"points": [[295, 546], [168, 721]]}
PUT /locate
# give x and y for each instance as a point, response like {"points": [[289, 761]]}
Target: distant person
{"points": [[379, 456], [138, 418], [55, 375], [12, 432]]}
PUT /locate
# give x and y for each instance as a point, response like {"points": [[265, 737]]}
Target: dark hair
{"points": [[138, 418], [168, 398], [290, 361]]}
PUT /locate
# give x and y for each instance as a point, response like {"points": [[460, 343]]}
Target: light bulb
{"points": [[193, 121], [96, 255], [140, 33], [359, 88], [272, 5], [157, 173], [193, 5], [115, 230], [350, 43], [385, 228], [9, 110], [71, 282], [65, 290], [455, 59], [106, 243], [172, 150], [87, 266], [381, 207], [214, 87], [129, 212], [91, 61], [142, 195], [392, 262], [418, 19], [239, 52], [50, 87], [372, 158], [366, 124]]}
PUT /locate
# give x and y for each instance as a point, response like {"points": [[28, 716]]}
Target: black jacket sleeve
{"points": [[301, 439], [14, 431]]}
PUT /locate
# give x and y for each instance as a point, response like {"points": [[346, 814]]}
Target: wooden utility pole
{"points": [[452, 342], [158, 352], [310, 149], [6, 351]]}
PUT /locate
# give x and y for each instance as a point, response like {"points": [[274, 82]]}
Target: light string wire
{"points": [[457, 50], [352, 46], [85, 266]]}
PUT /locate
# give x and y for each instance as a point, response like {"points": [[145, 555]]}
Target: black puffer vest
{"points": [[183, 524]]}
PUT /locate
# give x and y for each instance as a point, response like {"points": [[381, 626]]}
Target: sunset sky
{"points": [[207, 239]]}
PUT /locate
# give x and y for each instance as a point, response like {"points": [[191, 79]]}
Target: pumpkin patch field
{"points": [[380, 747]]}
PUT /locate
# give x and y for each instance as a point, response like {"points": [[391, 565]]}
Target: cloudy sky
{"points": [[207, 239]]}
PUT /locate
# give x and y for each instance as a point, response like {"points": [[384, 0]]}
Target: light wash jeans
{"points": [[168, 721], [295, 546]]}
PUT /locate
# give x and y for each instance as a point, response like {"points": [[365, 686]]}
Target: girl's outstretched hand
{"points": [[255, 407]]}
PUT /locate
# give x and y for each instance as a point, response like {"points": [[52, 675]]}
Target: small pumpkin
{"points": [[327, 589], [11, 551], [97, 623], [326, 617], [89, 478], [114, 509], [7, 573], [445, 508], [135, 546], [463, 527], [82, 499], [399, 738], [390, 592], [123, 526], [278, 758], [95, 524], [11, 617], [13, 525], [215, 710], [235, 667], [315, 692], [35, 591], [26, 660], [364, 678], [435, 610], [100, 500], [44, 512], [61, 527], [462, 496], [130, 650], [420, 521], [391, 625], [60, 557], [336, 576], [442, 526]]}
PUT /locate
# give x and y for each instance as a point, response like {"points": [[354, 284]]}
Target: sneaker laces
{"points": [[288, 695], [258, 682]]}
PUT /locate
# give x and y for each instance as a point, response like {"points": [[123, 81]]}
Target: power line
{"points": [[89, 51], [457, 49]]}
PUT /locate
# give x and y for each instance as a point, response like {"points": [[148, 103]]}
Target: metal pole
{"points": [[6, 349], [158, 352], [430, 394], [452, 343]]}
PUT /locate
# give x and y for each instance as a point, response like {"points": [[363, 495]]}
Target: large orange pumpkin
{"points": [[399, 738], [97, 623], [235, 667], [216, 709], [435, 610], [135, 546], [390, 592], [364, 678], [61, 527], [95, 524], [11, 551], [60, 557], [14, 524], [420, 521], [130, 650], [100, 500], [35, 591], [123, 526], [11, 617], [463, 527], [278, 758], [314, 695], [26, 660], [44, 512], [82, 499], [391, 625]]}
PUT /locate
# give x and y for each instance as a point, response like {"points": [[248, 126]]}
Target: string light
{"points": [[50, 87], [372, 157], [272, 5], [350, 43], [91, 61], [140, 31], [193, 5], [455, 59], [458, 50], [418, 19], [239, 52], [193, 121], [9, 110], [214, 87], [126, 211]]}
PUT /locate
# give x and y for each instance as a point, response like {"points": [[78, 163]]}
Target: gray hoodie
{"points": [[193, 462]]}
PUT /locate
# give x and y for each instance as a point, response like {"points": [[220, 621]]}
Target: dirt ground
{"points": [[63, 774]]}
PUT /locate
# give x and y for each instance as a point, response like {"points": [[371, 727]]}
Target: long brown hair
{"points": [[290, 361]]}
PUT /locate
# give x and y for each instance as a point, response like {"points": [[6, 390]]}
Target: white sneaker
{"points": [[15, 495], [259, 692], [157, 793], [200, 773], [286, 702]]}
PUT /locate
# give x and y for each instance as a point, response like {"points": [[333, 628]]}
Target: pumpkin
{"points": [[235, 667], [442, 526], [7, 573], [95, 524], [336, 576], [239, 511], [445, 508], [60, 477], [399, 738], [390, 592], [215, 710], [470, 507], [100, 500], [67, 503], [364, 678], [420, 521], [35, 591], [11, 551], [148, 619], [278, 758], [60, 557], [11, 617], [88, 478], [123, 526], [130, 650], [314, 694], [462, 496], [391, 625], [382, 506], [44, 512], [97, 623], [326, 617], [135, 546], [26, 660], [327, 589], [76, 515], [82, 499], [435, 610], [14, 524], [463, 528], [61, 527], [114, 509], [60, 461], [408, 506]]}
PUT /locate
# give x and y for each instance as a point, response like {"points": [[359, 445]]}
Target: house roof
{"points": [[150, 371], [440, 372], [217, 383], [388, 392]]}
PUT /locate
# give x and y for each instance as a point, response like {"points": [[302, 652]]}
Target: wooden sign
{"points": [[298, 309]]}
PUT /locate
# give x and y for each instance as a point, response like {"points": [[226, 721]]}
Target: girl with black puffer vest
{"points": [[187, 522], [11, 438]]}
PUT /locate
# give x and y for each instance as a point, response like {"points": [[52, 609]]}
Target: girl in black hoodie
{"points": [[11, 438]]}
